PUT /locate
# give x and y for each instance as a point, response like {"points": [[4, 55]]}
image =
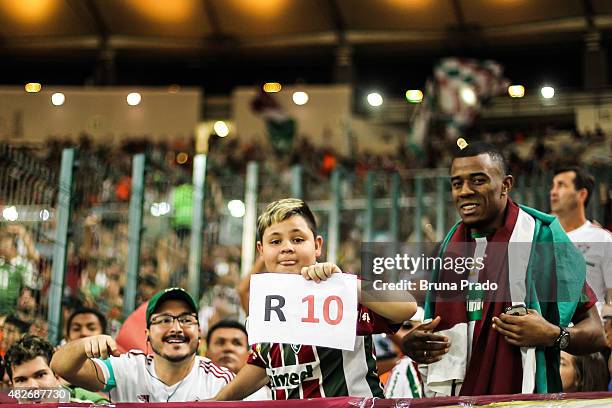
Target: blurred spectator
{"points": [[12, 330], [39, 327], [11, 276], [147, 287], [227, 345], [27, 305], [85, 322], [182, 204], [584, 373]]}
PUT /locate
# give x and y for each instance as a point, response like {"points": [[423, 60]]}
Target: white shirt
{"points": [[262, 394], [403, 381], [131, 377], [595, 243]]}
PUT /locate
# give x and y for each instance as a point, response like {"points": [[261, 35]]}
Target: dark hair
{"points": [[477, 148], [72, 302], [17, 322], [591, 373], [225, 324], [148, 280], [86, 310], [582, 180], [27, 349]]}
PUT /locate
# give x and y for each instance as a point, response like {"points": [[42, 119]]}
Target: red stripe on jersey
{"points": [[276, 356], [280, 395], [256, 358], [306, 355], [225, 375], [311, 388], [211, 368]]}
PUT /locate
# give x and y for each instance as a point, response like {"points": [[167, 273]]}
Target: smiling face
{"points": [[173, 342], [480, 191], [289, 245]]}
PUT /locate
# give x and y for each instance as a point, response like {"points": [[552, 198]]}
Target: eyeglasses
{"points": [[167, 321]]}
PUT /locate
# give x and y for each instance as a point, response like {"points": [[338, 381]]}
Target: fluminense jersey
{"points": [[404, 380], [131, 377], [303, 371], [595, 243]]}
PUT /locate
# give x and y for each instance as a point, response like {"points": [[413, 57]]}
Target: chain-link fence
{"points": [[28, 189]]}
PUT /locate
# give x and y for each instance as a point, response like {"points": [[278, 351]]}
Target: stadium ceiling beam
{"points": [[88, 10], [325, 38], [213, 19], [589, 13], [458, 10], [335, 14]]}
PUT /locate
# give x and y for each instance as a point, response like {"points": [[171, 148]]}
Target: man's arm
{"points": [[395, 312], [72, 361], [587, 335], [249, 379], [532, 330]]}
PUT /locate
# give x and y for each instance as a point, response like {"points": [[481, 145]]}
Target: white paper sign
{"points": [[285, 308]]}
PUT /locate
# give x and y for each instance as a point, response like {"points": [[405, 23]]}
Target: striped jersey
{"points": [[304, 371], [131, 377], [404, 380]]}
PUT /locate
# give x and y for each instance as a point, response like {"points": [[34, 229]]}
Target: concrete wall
{"points": [[103, 113]]}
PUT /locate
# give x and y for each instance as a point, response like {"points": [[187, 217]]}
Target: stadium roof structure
{"points": [[215, 43]]}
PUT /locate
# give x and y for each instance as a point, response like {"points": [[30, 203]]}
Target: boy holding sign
{"points": [[288, 243]]}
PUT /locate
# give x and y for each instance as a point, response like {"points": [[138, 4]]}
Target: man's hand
{"points": [[319, 271], [423, 346], [101, 346], [531, 330]]}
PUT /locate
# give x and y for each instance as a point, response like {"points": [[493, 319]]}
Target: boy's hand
{"points": [[319, 271]]}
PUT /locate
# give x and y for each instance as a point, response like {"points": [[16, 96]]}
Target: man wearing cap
{"points": [[171, 373]]}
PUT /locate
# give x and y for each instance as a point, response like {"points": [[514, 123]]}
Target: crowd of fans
{"points": [[98, 249]]}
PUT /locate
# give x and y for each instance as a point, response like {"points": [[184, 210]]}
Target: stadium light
{"points": [[272, 87], [58, 99], [134, 98], [221, 128], [33, 87], [548, 92], [468, 95], [300, 98], [10, 213], [236, 208], [182, 158], [414, 95], [375, 99], [44, 214], [516, 91]]}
